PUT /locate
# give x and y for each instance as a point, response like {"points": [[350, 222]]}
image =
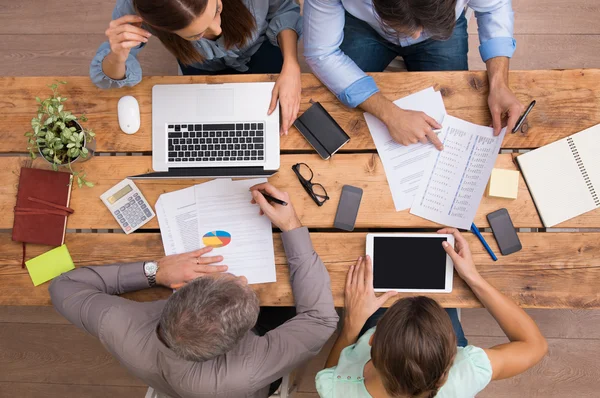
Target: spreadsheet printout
{"points": [[455, 179]]}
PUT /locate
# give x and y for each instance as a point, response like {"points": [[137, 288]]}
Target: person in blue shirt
{"points": [[343, 39], [207, 37]]}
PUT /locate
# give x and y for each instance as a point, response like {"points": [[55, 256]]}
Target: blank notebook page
{"points": [[555, 180]]}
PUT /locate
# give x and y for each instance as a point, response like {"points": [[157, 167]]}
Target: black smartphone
{"points": [[504, 232], [347, 210]]}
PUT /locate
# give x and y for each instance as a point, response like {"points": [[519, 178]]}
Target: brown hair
{"points": [[413, 347], [167, 16], [436, 17]]}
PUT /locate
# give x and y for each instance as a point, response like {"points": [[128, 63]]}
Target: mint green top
{"points": [[470, 373]]}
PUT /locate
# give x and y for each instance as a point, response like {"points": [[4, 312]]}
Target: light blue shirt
{"points": [[470, 373], [271, 16], [324, 32]]}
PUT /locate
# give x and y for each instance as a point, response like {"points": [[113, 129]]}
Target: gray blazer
{"points": [[127, 329]]}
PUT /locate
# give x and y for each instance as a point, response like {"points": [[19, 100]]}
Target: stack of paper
{"points": [[219, 214], [404, 165], [442, 186]]}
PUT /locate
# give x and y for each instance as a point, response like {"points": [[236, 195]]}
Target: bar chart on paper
{"points": [[216, 238]]}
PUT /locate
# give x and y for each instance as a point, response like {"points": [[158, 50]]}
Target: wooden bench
{"points": [[554, 270]]}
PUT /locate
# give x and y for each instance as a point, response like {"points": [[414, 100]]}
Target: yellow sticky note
{"points": [[504, 184], [49, 265]]}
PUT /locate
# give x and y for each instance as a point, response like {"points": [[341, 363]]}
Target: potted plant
{"points": [[58, 137]]}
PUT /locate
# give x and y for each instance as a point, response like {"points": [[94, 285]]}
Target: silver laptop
{"points": [[214, 130]]}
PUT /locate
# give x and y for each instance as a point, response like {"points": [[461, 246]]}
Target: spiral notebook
{"points": [[564, 177]]}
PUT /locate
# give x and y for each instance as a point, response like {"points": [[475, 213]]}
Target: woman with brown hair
{"points": [[208, 37], [412, 352]]}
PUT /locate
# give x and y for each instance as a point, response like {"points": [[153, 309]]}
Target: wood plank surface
{"points": [[552, 51], [31, 55], [551, 17], [567, 103], [47, 390], [554, 270], [93, 16], [563, 324], [38, 353], [362, 170], [570, 369]]}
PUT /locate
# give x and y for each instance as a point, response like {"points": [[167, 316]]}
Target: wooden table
{"points": [[554, 269]]}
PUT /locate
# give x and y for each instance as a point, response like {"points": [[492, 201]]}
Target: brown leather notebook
{"points": [[42, 207]]}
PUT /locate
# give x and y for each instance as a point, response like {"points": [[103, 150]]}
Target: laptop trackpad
{"points": [[215, 102]]}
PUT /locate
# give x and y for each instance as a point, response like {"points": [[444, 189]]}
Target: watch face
{"points": [[150, 268]]}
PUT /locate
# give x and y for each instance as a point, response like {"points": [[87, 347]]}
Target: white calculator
{"points": [[127, 205]]}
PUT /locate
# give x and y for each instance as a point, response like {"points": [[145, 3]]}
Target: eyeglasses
{"points": [[315, 190]]}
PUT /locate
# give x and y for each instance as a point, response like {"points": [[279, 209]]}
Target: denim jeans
{"points": [[267, 59], [373, 53], [461, 340]]}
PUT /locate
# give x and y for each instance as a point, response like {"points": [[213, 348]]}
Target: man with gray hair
{"points": [[202, 341]]}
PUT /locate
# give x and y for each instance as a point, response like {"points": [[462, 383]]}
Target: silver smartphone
{"points": [[347, 210]]}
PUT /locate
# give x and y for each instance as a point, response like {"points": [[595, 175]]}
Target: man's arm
{"points": [[85, 294], [302, 337], [495, 21]]}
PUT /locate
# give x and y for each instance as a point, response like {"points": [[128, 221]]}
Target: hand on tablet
{"points": [[360, 301], [462, 257]]}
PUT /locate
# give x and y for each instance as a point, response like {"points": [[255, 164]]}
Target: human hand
{"points": [[409, 127], [283, 217], [462, 257], [125, 33], [288, 88], [176, 270], [360, 301], [503, 101]]}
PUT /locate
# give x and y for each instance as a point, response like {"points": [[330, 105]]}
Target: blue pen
{"points": [[475, 230]]}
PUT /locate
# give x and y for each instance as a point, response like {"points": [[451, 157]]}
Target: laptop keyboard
{"points": [[210, 142]]}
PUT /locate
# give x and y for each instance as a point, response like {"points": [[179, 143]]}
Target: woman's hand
{"points": [[287, 89], [124, 34], [176, 270], [462, 257], [360, 301]]}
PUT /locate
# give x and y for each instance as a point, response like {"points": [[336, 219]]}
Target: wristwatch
{"points": [[150, 269]]}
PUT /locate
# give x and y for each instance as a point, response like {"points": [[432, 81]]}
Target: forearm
{"points": [[114, 67], [516, 324], [497, 71], [378, 105], [288, 43], [348, 336]]}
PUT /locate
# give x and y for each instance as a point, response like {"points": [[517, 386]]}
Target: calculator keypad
{"points": [[133, 213]]}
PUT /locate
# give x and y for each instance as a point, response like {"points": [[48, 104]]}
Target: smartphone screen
{"points": [[348, 208], [504, 232]]}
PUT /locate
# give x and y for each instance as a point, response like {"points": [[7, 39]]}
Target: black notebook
{"points": [[321, 131]]}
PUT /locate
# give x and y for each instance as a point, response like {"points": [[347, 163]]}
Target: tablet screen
{"points": [[409, 263]]}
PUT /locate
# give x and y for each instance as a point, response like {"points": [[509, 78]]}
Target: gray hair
{"points": [[208, 317]]}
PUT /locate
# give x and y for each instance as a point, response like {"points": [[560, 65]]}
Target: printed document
{"points": [[455, 179], [404, 165], [178, 220], [232, 225]]}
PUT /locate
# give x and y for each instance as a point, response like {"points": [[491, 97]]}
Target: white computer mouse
{"points": [[129, 114]]}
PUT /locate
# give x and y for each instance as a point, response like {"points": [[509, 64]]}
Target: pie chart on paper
{"points": [[216, 238]]}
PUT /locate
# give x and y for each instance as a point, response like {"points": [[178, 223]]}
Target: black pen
{"points": [[272, 199], [523, 117]]}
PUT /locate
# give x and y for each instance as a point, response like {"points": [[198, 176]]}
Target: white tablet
{"points": [[406, 262]]}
